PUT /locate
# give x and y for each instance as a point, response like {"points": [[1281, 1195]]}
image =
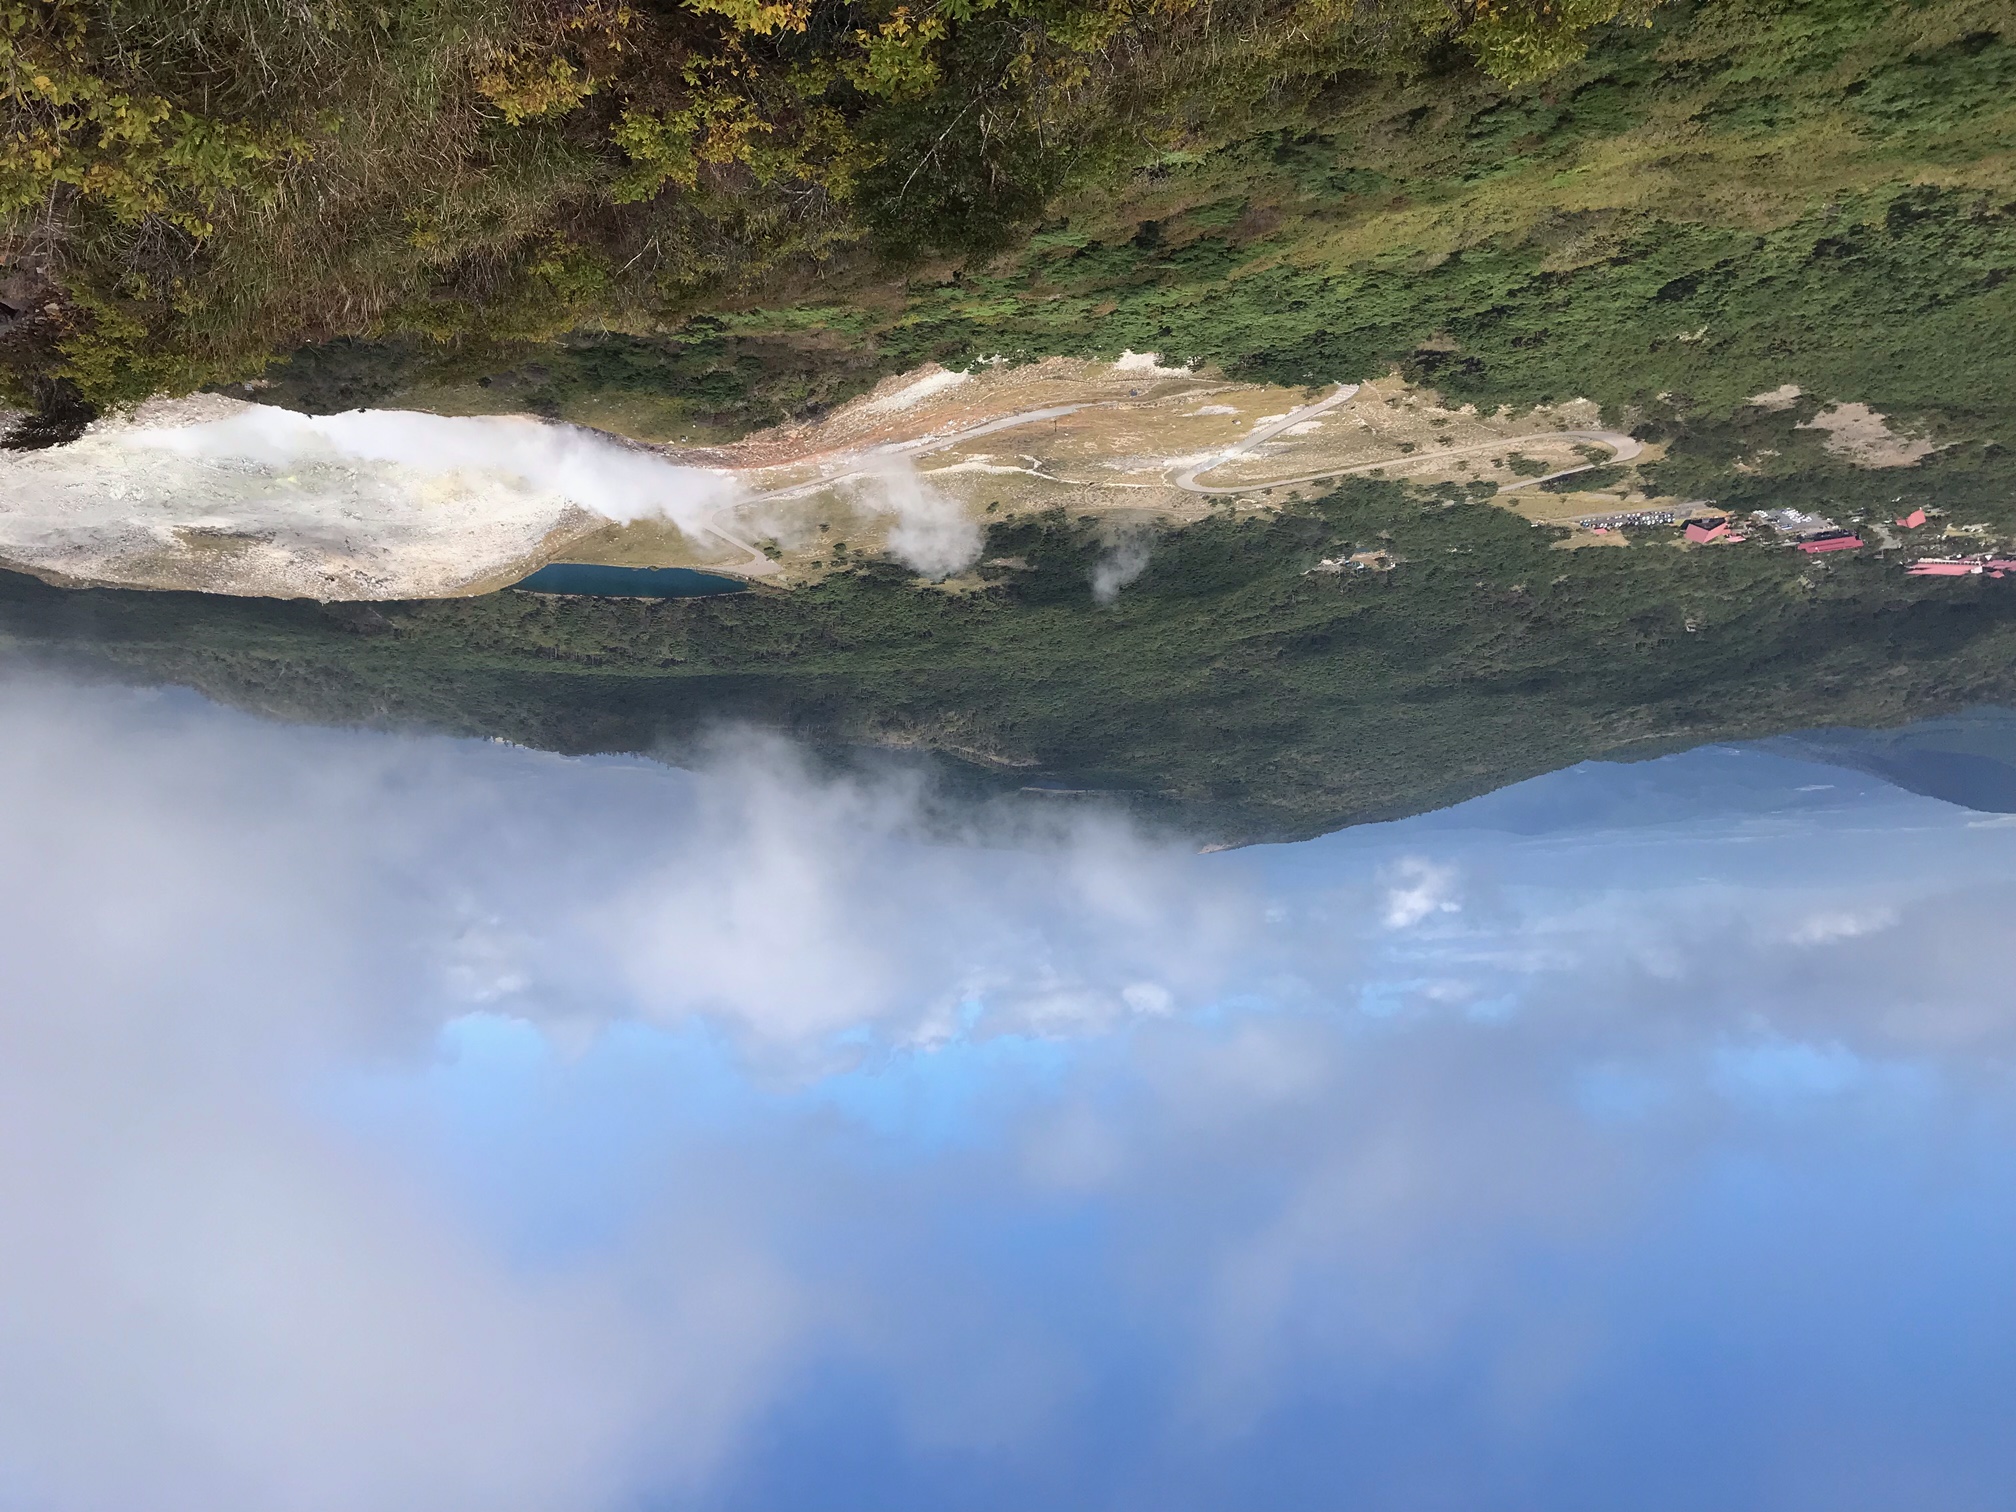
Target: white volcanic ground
{"points": [[228, 497], [223, 496]]}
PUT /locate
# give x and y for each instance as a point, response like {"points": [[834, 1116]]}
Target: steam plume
{"points": [[599, 474], [933, 534], [1123, 562]]}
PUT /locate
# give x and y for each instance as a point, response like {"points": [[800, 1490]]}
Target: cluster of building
{"points": [[1969, 566], [1811, 533], [1980, 564], [1829, 540], [1794, 522], [1709, 529]]}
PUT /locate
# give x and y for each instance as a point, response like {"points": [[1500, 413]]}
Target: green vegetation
{"points": [[187, 186], [1904, 299], [1741, 193], [1739, 196], [1231, 689], [684, 221]]}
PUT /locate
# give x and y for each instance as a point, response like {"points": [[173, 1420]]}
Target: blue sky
{"points": [[392, 1123]]}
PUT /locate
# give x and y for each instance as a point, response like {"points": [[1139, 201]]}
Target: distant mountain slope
{"points": [[1967, 758]]}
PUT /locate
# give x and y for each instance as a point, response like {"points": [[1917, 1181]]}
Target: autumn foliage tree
{"points": [[187, 186]]}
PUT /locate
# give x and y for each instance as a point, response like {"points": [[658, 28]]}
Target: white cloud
{"points": [[796, 908], [1004, 1130], [210, 1301], [216, 1299], [1419, 890], [1833, 925]]}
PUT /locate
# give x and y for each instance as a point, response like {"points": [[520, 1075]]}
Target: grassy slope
{"points": [[1739, 196], [1742, 196]]}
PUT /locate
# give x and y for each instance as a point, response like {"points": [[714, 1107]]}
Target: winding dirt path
{"points": [[1187, 479]]}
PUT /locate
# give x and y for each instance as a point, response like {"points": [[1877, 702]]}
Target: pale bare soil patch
{"points": [[1107, 443], [1859, 434], [1120, 445], [1408, 434]]}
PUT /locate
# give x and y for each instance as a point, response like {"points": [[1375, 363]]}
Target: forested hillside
{"points": [[712, 215], [190, 186]]}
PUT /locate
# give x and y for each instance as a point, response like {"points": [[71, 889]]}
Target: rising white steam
{"points": [[933, 534], [579, 466], [226, 497], [1123, 562], [583, 467]]}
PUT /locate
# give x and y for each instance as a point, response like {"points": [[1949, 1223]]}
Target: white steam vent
{"points": [[929, 533], [227, 497]]}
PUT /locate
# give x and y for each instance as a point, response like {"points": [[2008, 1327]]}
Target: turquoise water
{"points": [[626, 582]]}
